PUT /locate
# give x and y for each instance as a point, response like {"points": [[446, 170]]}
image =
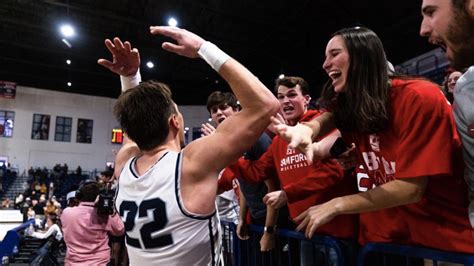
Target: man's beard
{"points": [[461, 33]]}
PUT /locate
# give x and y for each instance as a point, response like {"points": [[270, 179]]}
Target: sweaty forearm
{"points": [[394, 193]]}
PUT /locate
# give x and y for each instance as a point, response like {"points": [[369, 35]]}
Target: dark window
{"points": [[63, 129], [84, 130], [40, 128]]}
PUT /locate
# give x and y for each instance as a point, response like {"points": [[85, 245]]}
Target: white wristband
{"points": [[214, 56], [131, 81]]}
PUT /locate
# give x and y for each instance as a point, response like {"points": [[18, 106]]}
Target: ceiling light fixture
{"points": [[67, 30], [172, 22]]}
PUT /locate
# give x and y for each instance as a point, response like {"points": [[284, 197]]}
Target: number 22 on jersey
{"points": [[131, 212]]}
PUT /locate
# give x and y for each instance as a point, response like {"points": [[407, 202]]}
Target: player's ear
{"points": [[174, 121]]}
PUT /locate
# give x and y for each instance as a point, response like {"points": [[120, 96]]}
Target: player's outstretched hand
{"points": [[187, 43], [298, 136], [125, 60]]}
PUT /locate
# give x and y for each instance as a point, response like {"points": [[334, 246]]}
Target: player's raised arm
{"points": [[239, 132]]}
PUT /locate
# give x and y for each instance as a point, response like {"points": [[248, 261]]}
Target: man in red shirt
{"points": [[302, 184]]}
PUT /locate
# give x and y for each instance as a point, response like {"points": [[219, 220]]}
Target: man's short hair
{"points": [[107, 173], [88, 191], [144, 112], [291, 82], [219, 98]]}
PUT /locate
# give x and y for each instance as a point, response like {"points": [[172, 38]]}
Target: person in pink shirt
{"points": [[86, 232]]}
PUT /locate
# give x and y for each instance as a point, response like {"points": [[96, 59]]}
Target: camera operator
{"points": [[86, 232], [118, 255]]}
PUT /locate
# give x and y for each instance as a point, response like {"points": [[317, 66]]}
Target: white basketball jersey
{"points": [[159, 230]]}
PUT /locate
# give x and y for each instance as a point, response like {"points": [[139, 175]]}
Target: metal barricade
{"points": [[286, 251], [424, 255]]}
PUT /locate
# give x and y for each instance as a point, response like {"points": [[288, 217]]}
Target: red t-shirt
{"points": [[420, 140], [305, 185], [227, 181]]}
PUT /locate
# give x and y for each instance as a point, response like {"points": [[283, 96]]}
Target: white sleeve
{"points": [[131, 81], [45, 235]]}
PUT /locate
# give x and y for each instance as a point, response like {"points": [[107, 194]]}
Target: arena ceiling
{"points": [[269, 37]]}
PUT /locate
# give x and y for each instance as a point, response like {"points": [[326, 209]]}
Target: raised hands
{"points": [[125, 60], [207, 129], [187, 45]]}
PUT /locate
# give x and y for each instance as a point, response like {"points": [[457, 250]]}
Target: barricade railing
{"points": [[286, 251], [409, 252]]}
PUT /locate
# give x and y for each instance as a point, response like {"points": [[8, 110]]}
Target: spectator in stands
{"points": [[38, 187], [35, 195], [38, 207], [31, 171], [85, 232], [303, 184], [444, 83], [106, 176], [79, 170], [43, 188], [65, 169], [25, 186], [31, 213], [71, 200], [57, 168], [19, 200], [387, 118], [452, 79], [25, 207], [51, 229], [53, 234], [450, 24], [50, 208], [6, 203], [220, 106]]}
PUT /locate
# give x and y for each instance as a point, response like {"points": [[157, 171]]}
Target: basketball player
{"points": [[166, 195]]}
